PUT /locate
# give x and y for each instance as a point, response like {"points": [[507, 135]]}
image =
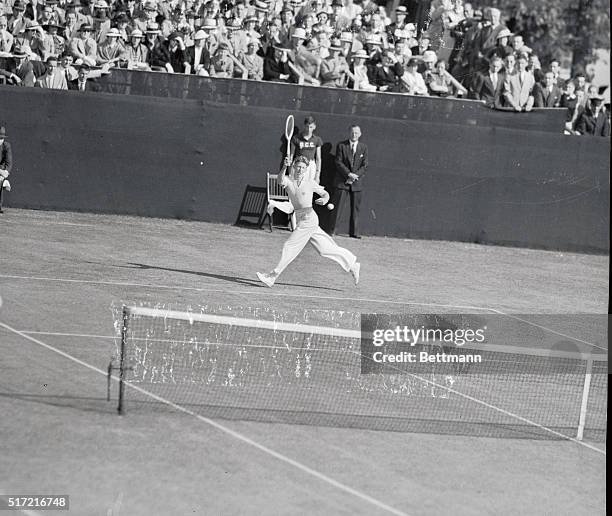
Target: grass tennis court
{"points": [[61, 276]]}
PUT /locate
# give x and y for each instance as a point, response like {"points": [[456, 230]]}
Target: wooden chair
{"points": [[253, 206]]}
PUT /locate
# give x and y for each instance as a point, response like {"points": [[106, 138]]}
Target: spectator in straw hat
{"points": [[338, 21], [428, 66], [252, 62], [159, 58], [306, 65], [260, 11], [211, 28], [250, 27], [359, 72], [29, 40], [346, 44], [6, 164], [286, 27], [136, 52], [224, 63], [101, 21], [276, 64], [198, 56], [84, 48], [112, 51], [334, 70], [52, 44], [236, 36], [387, 76], [53, 79], [146, 16], [400, 21], [22, 70], [503, 48], [17, 20]]}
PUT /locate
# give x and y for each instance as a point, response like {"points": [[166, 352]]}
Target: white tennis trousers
{"points": [[308, 230]]}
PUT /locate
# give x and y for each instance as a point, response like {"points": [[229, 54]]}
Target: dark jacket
{"points": [[543, 99], [6, 156], [272, 69], [346, 162], [589, 124], [483, 89], [204, 58], [90, 85]]}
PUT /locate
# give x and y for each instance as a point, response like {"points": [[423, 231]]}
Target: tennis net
{"points": [[274, 371]]}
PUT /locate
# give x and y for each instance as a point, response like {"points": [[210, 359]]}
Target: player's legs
{"points": [[326, 247], [292, 248]]}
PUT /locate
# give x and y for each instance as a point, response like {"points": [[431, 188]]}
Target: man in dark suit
{"points": [[351, 167], [6, 163], [82, 83], [594, 120], [547, 95], [197, 55], [489, 86]]}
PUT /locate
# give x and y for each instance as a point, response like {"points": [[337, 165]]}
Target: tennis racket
{"points": [[289, 126]]}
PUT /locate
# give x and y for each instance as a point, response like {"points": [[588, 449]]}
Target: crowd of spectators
{"points": [[459, 52]]}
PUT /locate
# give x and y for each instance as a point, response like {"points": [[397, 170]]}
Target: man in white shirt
{"points": [[300, 191], [53, 79]]}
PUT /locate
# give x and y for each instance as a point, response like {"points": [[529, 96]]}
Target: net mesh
{"points": [[224, 367]]}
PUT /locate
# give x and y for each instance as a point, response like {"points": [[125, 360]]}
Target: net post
{"points": [[585, 399], [125, 315]]}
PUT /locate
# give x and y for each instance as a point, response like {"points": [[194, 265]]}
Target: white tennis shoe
{"points": [[355, 272], [266, 279]]}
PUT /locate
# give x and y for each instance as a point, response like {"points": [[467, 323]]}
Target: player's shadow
{"points": [[81, 403], [233, 279]]}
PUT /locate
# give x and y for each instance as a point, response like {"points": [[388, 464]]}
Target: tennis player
{"points": [[300, 190]]}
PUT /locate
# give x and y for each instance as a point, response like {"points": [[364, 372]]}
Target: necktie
{"points": [[353, 148]]}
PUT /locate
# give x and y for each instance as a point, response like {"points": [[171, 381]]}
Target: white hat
{"points": [[429, 56], [200, 35], [504, 33], [209, 23], [299, 33]]}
